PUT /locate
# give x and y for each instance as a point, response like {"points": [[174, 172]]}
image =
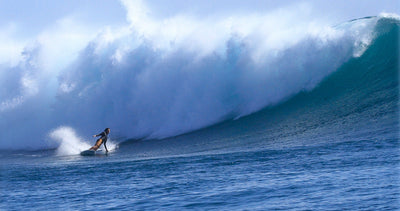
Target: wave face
{"points": [[160, 79], [356, 103], [359, 101]]}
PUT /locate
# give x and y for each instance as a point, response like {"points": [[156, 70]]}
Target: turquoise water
{"points": [[333, 147]]}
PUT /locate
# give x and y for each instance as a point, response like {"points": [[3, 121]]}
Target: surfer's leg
{"points": [[97, 145]]}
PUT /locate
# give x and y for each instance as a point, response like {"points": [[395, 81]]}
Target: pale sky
{"points": [[32, 16]]}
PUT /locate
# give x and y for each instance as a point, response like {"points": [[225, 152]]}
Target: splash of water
{"points": [[69, 142]]}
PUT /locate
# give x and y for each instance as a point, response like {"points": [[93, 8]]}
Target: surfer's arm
{"points": [[100, 134]]}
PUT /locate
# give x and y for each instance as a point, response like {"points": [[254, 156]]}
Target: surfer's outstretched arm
{"points": [[97, 135]]}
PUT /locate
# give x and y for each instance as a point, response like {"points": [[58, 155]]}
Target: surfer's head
{"points": [[107, 130]]}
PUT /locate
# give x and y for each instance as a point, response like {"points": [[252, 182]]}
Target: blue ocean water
{"points": [[348, 175], [329, 142]]}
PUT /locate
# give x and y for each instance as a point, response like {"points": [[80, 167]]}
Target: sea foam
{"points": [[156, 78]]}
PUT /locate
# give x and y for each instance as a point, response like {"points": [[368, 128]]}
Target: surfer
{"points": [[102, 140]]}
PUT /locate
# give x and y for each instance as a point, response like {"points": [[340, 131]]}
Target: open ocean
{"points": [[314, 125]]}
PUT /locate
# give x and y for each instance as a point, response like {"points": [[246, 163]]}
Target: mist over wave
{"points": [[158, 78]]}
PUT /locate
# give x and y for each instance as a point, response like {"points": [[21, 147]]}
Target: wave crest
{"points": [[159, 78]]}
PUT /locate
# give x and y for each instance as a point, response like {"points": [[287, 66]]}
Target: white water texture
{"points": [[157, 78], [69, 143]]}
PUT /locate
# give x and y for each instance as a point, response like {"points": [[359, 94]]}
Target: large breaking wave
{"points": [[160, 78]]}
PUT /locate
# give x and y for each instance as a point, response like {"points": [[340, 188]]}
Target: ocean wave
{"points": [[160, 78]]}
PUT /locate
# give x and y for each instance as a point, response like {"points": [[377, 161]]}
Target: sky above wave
{"points": [[30, 17]]}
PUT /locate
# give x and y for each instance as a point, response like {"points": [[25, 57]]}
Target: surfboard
{"points": [[88, 152], [92, 152]]}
